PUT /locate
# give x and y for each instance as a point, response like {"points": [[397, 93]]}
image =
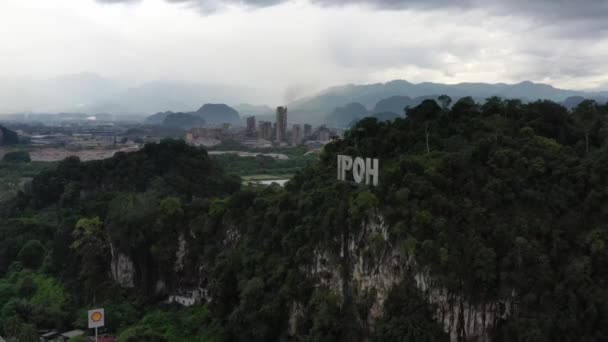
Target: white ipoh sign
{"points": [[363, 169]]}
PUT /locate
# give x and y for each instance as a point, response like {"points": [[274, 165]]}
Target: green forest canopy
{"points": [[489, 198]]}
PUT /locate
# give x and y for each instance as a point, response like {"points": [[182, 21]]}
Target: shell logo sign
{"points": [[96, 318]]}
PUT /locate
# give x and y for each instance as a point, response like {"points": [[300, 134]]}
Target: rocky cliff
{"points": [[367, 266]]}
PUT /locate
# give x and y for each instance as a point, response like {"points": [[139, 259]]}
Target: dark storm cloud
{"points": [[585, 10], [556, 39], [592, 10], [117, 1], [587, 15], [251, 3]]}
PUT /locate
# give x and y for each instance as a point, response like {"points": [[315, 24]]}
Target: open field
{"points": [[52, 154], [265, 177]]}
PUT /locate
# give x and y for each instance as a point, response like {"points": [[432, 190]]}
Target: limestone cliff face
{"points": [[180, 254], [365, 266], [122, 268], [369, 266]]}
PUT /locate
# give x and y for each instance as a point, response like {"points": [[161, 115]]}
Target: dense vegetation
{"points": [[297, 158], [263, 164], [8, 137], [14, 176], [51, 232], [17, 157], [492, 200]]}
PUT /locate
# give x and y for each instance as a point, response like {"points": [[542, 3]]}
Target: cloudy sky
{"points": [[296, 47]]}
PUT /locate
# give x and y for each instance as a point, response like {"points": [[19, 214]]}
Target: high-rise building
{"points": [[266, 130], [251, 129], [324, 135], [296, 135], [281, 133], [307, 131]]}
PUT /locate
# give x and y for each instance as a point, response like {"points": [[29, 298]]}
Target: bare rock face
{"points": [[122, 268], [374, 267], [180, 253], [366, 266], [460, 318]]}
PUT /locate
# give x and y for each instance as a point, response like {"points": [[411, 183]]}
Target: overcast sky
{"points": [[295, 47]]}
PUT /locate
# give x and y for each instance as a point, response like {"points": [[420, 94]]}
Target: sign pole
{"points": [[96, 320]]}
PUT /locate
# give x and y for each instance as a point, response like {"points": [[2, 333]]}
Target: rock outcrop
{"points": [[366, 266], [123, 270], [375, 272]]}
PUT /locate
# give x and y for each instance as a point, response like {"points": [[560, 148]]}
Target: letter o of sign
{"points": [[358, 169]]}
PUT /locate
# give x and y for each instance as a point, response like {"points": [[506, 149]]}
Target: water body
{"points": [[281, 182], [278, 156]]}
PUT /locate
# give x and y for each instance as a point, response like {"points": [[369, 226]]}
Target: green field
{"points": [[266, 177], [266, 165]]}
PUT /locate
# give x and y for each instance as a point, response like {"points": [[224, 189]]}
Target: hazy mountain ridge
{"points": [[183, 121], [344, 116], [318, 106], [91, 93], [218, 114], [209, 113]]}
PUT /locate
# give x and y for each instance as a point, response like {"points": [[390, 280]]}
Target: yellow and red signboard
{"points": [[96, 318]]}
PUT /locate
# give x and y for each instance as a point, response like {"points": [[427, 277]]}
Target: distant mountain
{"points": [[183, 121], [90, 93], [258, 110], [213, 114], [574, 101], [344, 116], [397, 104], [68, 93], [387, 116], [394, 104], [385, 110], [157, 118], [317, 107], [177, 96], [218, 114]]}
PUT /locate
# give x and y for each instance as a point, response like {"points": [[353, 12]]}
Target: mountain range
{"points": [[382, 97], [93, 94], [209, 113]]}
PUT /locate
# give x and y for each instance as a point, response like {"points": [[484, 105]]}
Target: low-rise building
{"points": [[188, 298], [266, 130], [66, 336], [307, 131], [296, 135], [49, 336]]}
